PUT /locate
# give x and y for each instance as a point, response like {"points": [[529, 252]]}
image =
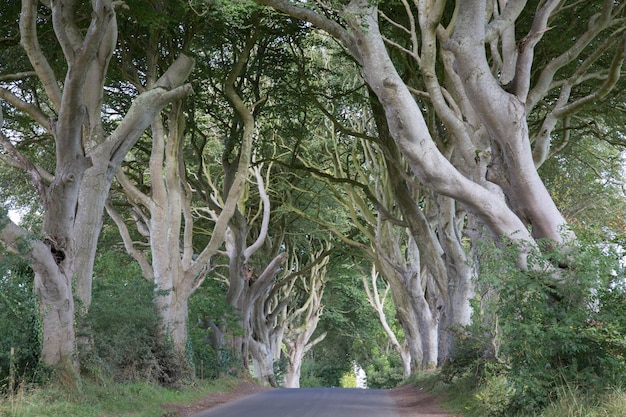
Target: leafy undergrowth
{"points": [[106, 399], [463, 398]]}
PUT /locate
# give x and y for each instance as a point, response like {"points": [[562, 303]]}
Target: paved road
{"points": [[309, 402]]}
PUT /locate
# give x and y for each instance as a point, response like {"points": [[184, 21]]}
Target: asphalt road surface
{"points": [[309, 402]]}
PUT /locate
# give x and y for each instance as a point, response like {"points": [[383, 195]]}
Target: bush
{"points": [[207, 307], [560, 323], [123, 322], [20, 343], [384, 370], [495, 395]]}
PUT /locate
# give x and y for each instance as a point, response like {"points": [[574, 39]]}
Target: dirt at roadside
{"points": [[410, 400], [213, 400]]}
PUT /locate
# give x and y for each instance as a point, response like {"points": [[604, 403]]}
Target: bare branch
{"points": [[134, 194], [18, 76], [597, 23], [30, 43], [229, 207], [333, 28], [521, 81], [139, 256], [26, 165], [168, 88], [28, 108], [250, 250]]}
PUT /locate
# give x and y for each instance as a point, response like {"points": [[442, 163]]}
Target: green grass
{"points": [[106, 399], [460, 398], [610, 404]]}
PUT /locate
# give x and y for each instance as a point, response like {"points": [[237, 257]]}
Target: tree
{"points": [[484, 108], [370, 283], [453, 90], [73, 195], [302, 317]]}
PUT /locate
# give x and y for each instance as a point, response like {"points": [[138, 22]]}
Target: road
{"points": [[309, 402]]}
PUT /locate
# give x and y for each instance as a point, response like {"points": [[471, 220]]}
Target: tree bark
{"points": [[86, 159], [378, 303], [302, 320]]}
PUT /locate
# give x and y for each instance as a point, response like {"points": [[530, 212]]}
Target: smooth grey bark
{"points": [[86, 159], [262, 322], [438, 241], [378, 303], [164, 216], [251, 294], [300, 321], [476, 78], [483, 116], [416, 296]]}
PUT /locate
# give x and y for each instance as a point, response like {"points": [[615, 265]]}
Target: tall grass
{"points": [[462, 398], [572, 404], [105, 398]]}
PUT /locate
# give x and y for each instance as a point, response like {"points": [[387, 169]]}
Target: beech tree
{"points": [[453, 88], [377, 301], [163, 210], [476, 72], [302, 316], [67, 111], [419, 286]]}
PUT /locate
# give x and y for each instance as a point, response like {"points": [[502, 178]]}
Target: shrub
{"points": [[123, 322], [20, 324], [495, 395], [384, 370], [562, 322], [207, 309]]}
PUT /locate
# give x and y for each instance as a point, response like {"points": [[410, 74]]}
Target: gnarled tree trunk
{"points": [[73, 197]]}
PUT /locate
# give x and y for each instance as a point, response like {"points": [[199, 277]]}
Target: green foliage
{"points": [[349, 323], [585, 181], [124, 326], [495, 394], [354, 334], [572, 403], [123, 321], [384, 370], [539, 330], [232, 12], [348, 380], [323, 372], [107, 398], [208, 308], [19, 325], [4, 217], [310, 375]]}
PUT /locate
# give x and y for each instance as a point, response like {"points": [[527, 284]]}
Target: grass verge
{"points": [[463, 398], [106, 399]]}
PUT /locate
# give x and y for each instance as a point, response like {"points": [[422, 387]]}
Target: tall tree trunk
{"points": [[301, 320], [164, 217], [265, 331], [73, 197], [378, 303]]}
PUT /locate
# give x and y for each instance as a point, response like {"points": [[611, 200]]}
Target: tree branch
{"points": [[331, 27], [30, 43], [521, 81], [139, 256], [28, 108], [147, 105], [252, 249], [26, 165], [544, 82]]}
